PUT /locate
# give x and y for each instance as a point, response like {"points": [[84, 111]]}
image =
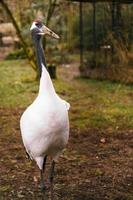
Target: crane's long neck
{"points": [[39, 53], [46, 85]]}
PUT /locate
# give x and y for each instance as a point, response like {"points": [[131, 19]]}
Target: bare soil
{"points": [[97, 165]]}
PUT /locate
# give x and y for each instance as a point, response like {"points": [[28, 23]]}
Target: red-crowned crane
{"points": [[44, 124]]}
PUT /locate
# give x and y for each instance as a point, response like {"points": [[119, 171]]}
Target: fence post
{"points": [[94, 34], [81, 32]]}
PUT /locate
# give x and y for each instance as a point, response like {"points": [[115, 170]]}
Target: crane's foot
{"points": [[42, 184], [51, 177], [42, 187]]}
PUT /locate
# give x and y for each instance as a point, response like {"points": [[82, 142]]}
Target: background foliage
{"points": [[63, 18]]}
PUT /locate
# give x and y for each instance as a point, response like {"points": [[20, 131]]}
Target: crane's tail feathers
{"points": [[39, 161], [66, 104]]}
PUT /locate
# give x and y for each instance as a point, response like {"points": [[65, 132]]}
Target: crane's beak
{"points": [[46, 31]]}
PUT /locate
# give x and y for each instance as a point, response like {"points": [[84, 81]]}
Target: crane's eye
{"points": [[39, 25]]}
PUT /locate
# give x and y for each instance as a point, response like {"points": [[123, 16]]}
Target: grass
{"points": [[94, 104]]}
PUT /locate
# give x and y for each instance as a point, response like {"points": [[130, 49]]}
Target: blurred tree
{"points": [[50, 12], [24, 44], [122, 20], [22, 14], [18, 32]]}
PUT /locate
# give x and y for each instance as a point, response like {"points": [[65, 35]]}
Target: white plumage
{"points": [[44, 124]]}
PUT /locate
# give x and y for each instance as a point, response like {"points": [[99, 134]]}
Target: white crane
{"points": [[44, 124]]}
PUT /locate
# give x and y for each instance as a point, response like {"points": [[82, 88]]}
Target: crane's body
{"points": [[44, 124]]}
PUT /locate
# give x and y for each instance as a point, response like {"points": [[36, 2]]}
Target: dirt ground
{"points": [[97, 165]]}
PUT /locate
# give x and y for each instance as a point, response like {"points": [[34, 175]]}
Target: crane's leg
{"points": [[42, 173], [27, 155], [51, 177]]}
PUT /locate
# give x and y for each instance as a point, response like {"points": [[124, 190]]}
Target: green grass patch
{"points": [[94, 104]]}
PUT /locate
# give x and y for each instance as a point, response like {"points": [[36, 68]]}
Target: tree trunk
{"points": [[28, 54]]}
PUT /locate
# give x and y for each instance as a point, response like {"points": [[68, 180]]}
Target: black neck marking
{"points": [[39, 50]]}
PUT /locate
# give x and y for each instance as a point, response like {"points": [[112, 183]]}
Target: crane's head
{"points": [[38, 28]]}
